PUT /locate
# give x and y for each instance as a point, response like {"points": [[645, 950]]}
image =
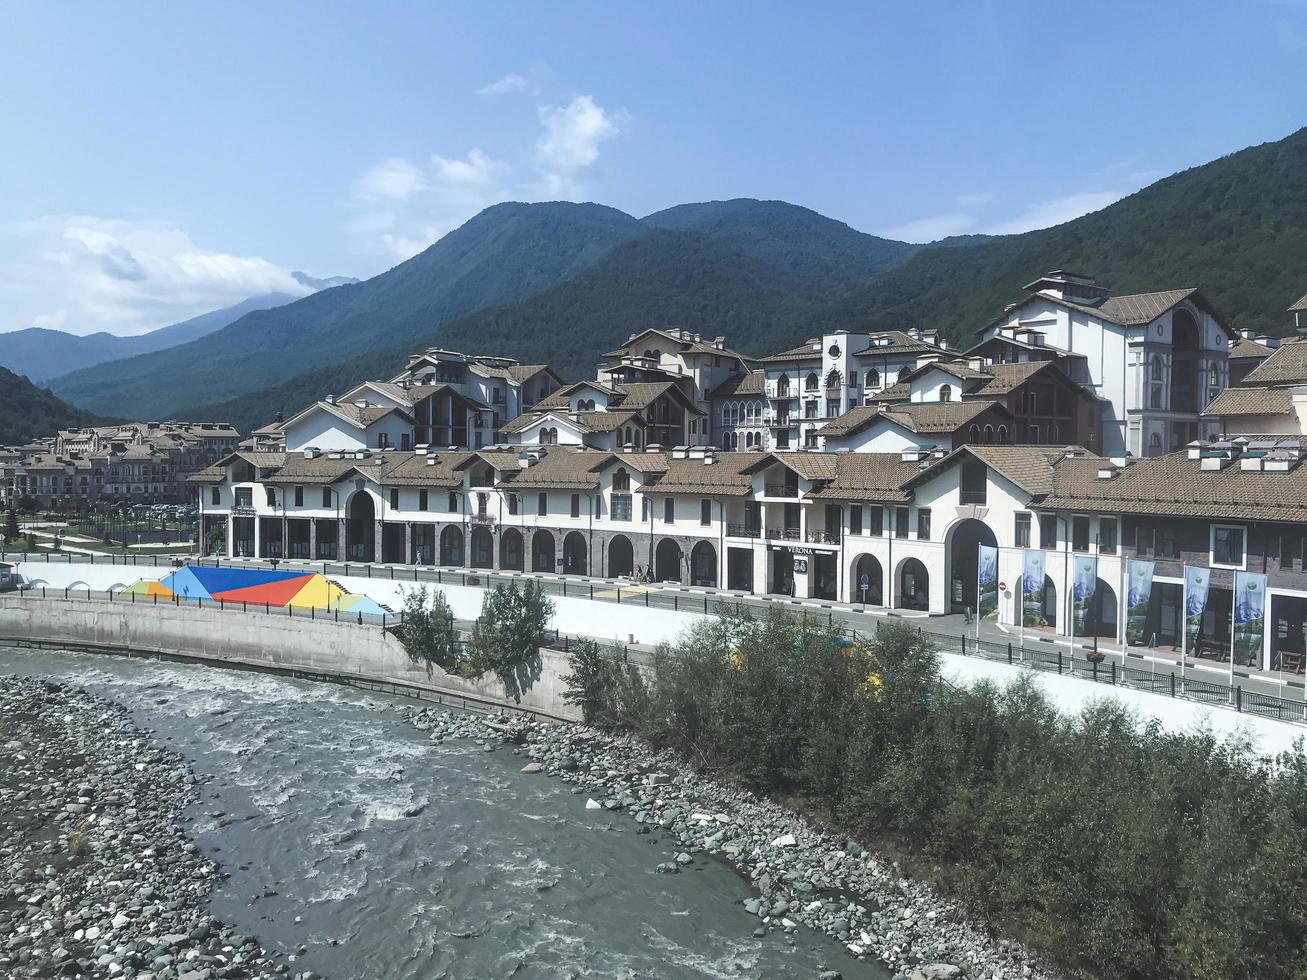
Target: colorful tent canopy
{"points": [[303, 590]]}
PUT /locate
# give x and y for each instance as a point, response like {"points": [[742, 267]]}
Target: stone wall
{"points": [[274, 640]]}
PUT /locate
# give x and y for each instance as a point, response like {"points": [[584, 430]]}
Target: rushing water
{"points": [[498, 875]]}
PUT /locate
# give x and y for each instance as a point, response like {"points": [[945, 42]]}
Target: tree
{"points": [[426, 629], [512, 624], [11, 525], [28, 504]]}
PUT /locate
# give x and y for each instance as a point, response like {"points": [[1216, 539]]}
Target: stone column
{"points": [[313, 538], [408, 542], [378, 541], [341, 553], [258, 538], [231, 536]]}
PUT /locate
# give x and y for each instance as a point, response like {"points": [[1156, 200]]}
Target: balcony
{"points": [[742, 531], [781, 490], [486, 520], [785, 533], [779, 421], [820, 536], [242, 510]]}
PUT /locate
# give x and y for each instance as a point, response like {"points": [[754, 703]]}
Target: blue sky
{"points": [[165, 159]]}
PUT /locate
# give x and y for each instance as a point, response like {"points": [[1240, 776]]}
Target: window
{"points": [[1021, 532], [705, 512], [811, 382], [542, 505], [1227, 545], [1048, 531], [405, 441], [1290, 550], [422, 500], [453, 502], [669, 510], [876, 520], [1079, 533], [511, 498], [901, 522], [383, 440], [1107, 533], [946, 393], [783, 386], [272, 496], [923, 524], [1167, 545], [299, 497], [1155, 368], [621, 481], [326, 496], [873, 378], [621, 507], [832, 408], [974, 481], [644, 509], [576, 505], [215, 495], [244, 497], [810, 439], [394, 498], [855, 519]]}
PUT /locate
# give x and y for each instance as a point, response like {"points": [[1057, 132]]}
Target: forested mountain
{"points": [[507, 252], [1236, 228], [564, 283], [41, 354], [27, 412]]}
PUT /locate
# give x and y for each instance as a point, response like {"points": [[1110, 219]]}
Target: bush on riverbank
{"points": [[1118, 851]]}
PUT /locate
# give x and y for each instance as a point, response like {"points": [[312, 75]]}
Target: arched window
{"points": [[1002, 434], [989, 433], [973, 434], [726, 415], [1156, 365], [946, 393], [1155, 441], [833, 379], [621, 481], [873, 378], [639, 438], [810, 383], [783, 385], [1215, 373]]}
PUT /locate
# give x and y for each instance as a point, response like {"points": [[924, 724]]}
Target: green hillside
{"points": [[28, 412], [1236, 227], [507, 252]]}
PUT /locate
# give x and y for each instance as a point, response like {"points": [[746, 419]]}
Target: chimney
{"points": [[311, 452], [331, 399], [360, 403]]}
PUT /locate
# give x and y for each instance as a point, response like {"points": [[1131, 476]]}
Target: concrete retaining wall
{"points": [[345, 650]]}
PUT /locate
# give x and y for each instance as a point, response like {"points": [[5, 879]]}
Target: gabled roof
{"points": [[1299, 306], [729, 473], [1032, 468], [940, 417], [688, 345], [558, 469], [413, 469], [1287, 365], [1251, 401], [852, 421], [1244, 348], [898, 342], [1131, 309], [809, 350], [868, 476], [1174, 485], [348, 412], [641, 461], [737, 385]]}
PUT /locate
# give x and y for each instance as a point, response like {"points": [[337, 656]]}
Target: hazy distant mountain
{"points": [[41, 354]]}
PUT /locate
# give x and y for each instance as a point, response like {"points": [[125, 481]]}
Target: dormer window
{"points": [[946, 393]]}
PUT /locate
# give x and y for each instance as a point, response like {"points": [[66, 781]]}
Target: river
{"points": [[496, 874]]}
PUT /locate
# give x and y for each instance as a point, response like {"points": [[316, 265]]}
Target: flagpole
{"points": [[1234, 616], [1184, 620]]}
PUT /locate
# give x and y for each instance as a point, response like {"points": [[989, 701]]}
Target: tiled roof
{"points": [[1032, 468], [938, 417], [959, 369], [297, 468], [1299, 306], [412, 469], [898, 342], [1251, 401], [726, 475], [1174, 485], [1136, 308], [868, 476], [900, 392], [808, 350], [559, 469], [740, 384], [517, 373], [1245, 348], [698, 346], [640, 461], [1286, 365], [1001, 379], [854, 420]]}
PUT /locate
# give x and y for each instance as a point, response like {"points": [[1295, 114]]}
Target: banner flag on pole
{"points": [[987, 583], [1196, 582], [1139, 592], [1084, 585], [1249, 618], [1032, 589]]}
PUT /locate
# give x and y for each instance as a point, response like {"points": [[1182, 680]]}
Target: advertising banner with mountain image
{"points": [[1083, 586], [1249, 618], [1032, 589], [1196, 581], [987, 582], [1139, 592]]}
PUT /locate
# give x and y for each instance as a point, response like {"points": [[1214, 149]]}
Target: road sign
{"points": [[1002, 586], [865, 581]]}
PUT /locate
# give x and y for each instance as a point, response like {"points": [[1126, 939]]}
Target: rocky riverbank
{"points": [[97, 875], [804, 877]]}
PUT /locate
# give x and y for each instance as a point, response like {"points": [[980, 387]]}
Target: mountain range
{"points": [[28, 411], [564, 282], [41, 354]]}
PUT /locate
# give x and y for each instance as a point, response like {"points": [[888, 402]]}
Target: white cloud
{"points": [[508, 85], [1055, 211], [933, 228], [570, 142], [83, 273], [400, 207]]}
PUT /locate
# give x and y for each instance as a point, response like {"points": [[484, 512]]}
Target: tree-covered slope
{"points": [[1236, 228], [506, 252], [28, 412]]}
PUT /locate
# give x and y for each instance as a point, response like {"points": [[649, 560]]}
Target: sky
{"points": [[160, 160]]}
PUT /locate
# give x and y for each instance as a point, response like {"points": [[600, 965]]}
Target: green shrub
{"points": [[427, 631], [511, 627]]}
